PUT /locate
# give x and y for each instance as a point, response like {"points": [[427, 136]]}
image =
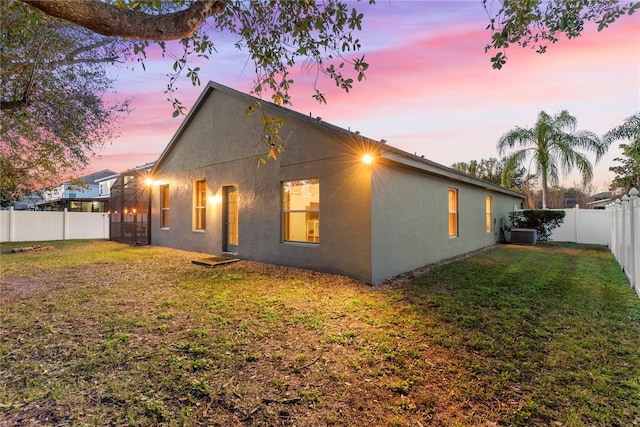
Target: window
{"points": [[453, 212], [104, 188], [200, 205], [75, 207], [487, 219], [79, 206], [301, 210], [164, 206]]}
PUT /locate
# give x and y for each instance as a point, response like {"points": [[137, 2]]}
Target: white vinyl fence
{"points": [[34, 226], [590, 226], [624, 226]]}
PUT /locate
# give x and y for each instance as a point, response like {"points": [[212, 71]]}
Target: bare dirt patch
{"points": [[40, 413], [20, 287]]}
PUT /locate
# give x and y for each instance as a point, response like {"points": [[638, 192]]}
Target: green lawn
{"points": [[99, 333]]}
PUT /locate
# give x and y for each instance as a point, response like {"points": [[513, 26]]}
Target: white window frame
{"points": [[312, 228], [488, 207], [199, 205], [164, 206], [453, 212]]}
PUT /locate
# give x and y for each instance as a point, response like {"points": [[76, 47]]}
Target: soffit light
{"points": [[367, 159]]}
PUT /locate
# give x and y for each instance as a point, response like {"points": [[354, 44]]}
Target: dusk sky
{"points": [[430, 88]]}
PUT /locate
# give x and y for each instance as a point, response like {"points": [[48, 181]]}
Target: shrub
{"points": [[542, 220]]}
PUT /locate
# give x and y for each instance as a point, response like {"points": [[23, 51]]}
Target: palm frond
{"points": [[630, 129], [589, 142], [511, 162], [517, 137], [552, 174], [564, 120], [584, 167]]}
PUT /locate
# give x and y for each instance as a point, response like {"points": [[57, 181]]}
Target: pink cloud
{"points": [[430, 88]]}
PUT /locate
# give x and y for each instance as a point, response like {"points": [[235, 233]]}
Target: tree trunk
{"points": [[531, 203], [545, 190]]}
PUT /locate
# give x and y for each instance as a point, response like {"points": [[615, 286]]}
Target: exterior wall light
{"points": [[367, 159], [215, 199], [148, 181]]}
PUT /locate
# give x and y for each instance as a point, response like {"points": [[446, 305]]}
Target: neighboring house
{"points": [[105, 184], [28, 203], [600, 200], [76, 197], [319, 205]]}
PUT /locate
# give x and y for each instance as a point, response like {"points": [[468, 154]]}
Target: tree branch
{"points": [[52, 65], [88, 48], [10, 105], [110, 20]]}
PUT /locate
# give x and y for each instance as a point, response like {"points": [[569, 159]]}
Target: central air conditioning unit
{"points": [[524, 236]]}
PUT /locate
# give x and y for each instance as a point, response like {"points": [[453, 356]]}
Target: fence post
{"points": [[576, 219], [12, 224], [619, 230], [613, 239], [633, 261], [625, 231], [65, 224]]}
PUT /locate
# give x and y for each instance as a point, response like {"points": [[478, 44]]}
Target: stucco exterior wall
{"points": [[376, 220], [221, 144], [410, 219]]}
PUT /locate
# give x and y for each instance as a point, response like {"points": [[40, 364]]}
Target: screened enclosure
{"points": [[129, 213]]}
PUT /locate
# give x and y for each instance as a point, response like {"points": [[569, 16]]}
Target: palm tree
{"points": [[551, 145], [628, 174]]}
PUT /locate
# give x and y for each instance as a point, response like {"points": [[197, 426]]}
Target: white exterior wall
{"points": [[35, 226], [66, 191], [104, 187]]}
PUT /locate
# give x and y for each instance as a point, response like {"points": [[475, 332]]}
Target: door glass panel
{"points": [[232, 216]]}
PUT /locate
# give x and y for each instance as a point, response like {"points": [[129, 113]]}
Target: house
{"points": [[81, 195], [333, 201], [104, 185], [28, 202], [600, 200]]}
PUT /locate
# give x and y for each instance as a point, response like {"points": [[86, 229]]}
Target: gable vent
{"points": [[524, 236]]}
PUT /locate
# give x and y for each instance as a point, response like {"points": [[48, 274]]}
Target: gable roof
{"points": [[386, 153], [92, 178]]}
